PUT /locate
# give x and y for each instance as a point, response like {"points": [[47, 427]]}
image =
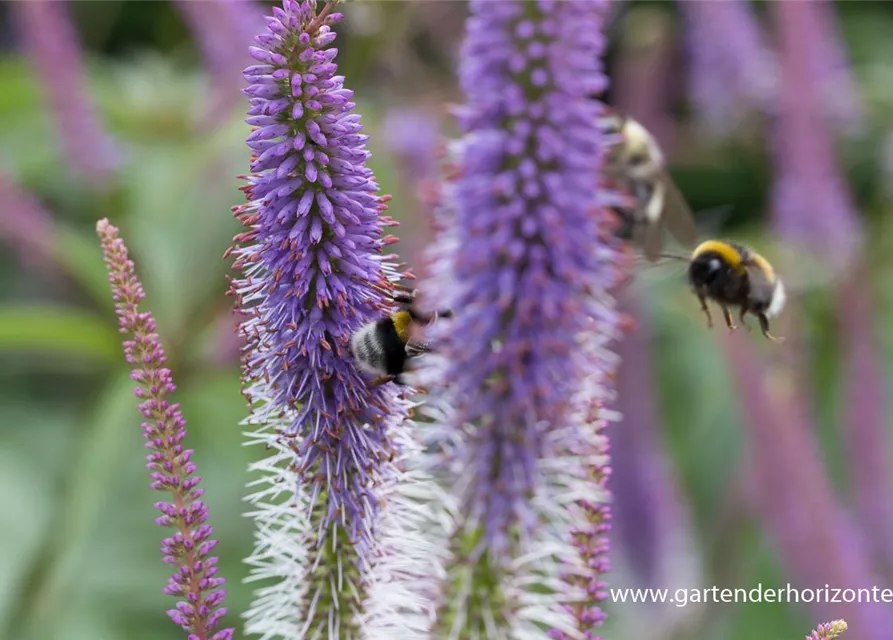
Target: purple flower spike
{"points": [[828, 631], [336, 543], [811, 203], [171, 470], [524, 265], [865, 415], [832, 72], [732, 67], [51, 42]]}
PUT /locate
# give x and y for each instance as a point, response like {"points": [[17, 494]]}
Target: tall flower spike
{"points": [[50, 40], [337, 529], [188, 550], [513, 384]]}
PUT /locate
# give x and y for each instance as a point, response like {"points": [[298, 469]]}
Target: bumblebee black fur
{"points": [[383, 347], [733, 275]]}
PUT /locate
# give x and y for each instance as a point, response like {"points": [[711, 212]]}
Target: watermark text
{"points": [[713, 595]]}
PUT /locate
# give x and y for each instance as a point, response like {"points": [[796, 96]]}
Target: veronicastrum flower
{"points": [[518, 378], [336, 515], [188, 550]]}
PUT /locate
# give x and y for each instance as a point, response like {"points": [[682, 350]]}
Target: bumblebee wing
{"points": [[653, 241], [803, 270], [677, 215], [666, 267], [654, 216], [415, 349], [760, 285]]}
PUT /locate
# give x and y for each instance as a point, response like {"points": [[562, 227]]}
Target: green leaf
{"points": [[42, 596], [81, 257], [58, 331]]}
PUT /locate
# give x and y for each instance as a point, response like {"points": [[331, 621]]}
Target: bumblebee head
{"points": [[712, 259], [705, 269]]}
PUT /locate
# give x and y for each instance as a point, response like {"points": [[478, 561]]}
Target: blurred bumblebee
{"points": [[733, 275], [384, 347], [637, 169]]}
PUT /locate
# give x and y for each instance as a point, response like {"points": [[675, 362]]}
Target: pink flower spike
{"points": [[169, 465]]}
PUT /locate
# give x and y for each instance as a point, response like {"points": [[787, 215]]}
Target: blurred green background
{"points": [[79, 552]]}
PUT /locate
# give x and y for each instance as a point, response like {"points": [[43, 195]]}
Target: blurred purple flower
{"points": [[828, 631], [865, 417], [224, 29], [189, 549], [50, 40], [524, 265], [412, 134], [650, 520], [831, 68], [333, 532], [732, 67], [815, 541], [26, 226], [813, 206], [811, 203]]}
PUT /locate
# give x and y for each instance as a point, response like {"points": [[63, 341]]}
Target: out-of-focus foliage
{"points": [[79, 552]]}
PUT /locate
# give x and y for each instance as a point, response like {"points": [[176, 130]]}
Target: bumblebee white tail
{"points": [[779, 297]]}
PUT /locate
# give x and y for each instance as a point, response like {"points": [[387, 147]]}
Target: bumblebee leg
{"points": [[383, 380], [706, 310], [764, 326], [741, 315], [728, 316]]}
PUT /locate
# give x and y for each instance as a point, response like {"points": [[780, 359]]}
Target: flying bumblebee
{"points": [[733, 275], [384, 347], [636, 167]]}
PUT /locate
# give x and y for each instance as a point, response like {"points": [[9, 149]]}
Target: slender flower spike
{"points": [[337, 543], [828, 631], [188, 550], [517, 371]]}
